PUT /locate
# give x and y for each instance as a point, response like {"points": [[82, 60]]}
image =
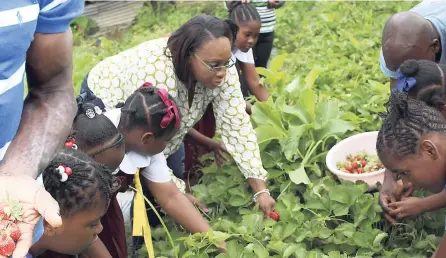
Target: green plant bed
{"points": [[326, 85]]}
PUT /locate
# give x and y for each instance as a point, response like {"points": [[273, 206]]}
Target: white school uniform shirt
{"points": [[244, 57], [154, 168]]}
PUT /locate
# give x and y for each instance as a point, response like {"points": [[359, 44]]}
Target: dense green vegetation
{"points": [[326, 85]]}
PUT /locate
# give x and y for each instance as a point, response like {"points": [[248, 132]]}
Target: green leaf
{"points": [[307, 100], [379, 238], [311, 77], [234, 249], [265, 72], [267, 133], [290, 144], [299, 176], [333, 127], [327, 110], [293, 249], [298, 112], [277, 63], [293, 87]]}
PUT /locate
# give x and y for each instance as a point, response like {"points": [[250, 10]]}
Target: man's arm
{"points": [[49, 108]]}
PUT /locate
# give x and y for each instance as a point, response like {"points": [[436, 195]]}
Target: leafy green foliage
{"points": [[325, 85]]}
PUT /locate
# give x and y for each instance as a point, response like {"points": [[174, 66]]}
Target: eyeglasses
{"points": [[230, 63]]}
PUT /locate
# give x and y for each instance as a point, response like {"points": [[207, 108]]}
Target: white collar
{"points": [[132, 161]]}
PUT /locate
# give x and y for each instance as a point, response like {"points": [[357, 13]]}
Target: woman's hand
{"points": [[220, 153], [35, 202], [266, 204], [407, 208], [196, 202]]}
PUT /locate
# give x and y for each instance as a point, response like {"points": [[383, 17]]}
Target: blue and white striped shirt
{"points": [[19, 21]]}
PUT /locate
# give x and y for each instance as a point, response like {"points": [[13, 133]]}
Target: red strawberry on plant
{"points": [[7, 245], [274, 215]]}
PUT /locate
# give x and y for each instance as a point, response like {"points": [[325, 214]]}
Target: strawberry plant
{"points": [[326, 85]]}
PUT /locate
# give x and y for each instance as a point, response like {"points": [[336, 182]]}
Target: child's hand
{"points": [[196, 202], [220, 153], [407, 208]]}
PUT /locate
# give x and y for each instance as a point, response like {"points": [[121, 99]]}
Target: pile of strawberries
{"points": [[10, 214]]}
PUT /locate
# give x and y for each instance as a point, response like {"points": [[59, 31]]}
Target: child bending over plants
{"points": [[148, 119], [422, 80], [83, 189], [94, 134], [411, 146]]}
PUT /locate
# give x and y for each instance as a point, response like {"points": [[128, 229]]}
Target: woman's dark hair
{"points": [[190, 37], [242, 13], [405, 121], [429, 86], [93, 131], [145, 109], [79, 191]]}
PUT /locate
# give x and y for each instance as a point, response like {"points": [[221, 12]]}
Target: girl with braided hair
{"points": [[422, 80], [83, 189], [148, 120], [411, 146], [248, 21], [94, 134]]}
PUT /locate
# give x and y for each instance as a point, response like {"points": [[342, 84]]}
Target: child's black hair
{"points": [[93, 131], [429, 86], [405, 122], [144, 108], [79, 191], [242, 13], [183, 43]]}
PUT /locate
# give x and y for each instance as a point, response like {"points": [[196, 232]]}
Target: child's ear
{"points": [[147, 137], [48, 230], [431, 150]]}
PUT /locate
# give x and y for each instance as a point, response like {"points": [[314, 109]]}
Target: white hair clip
{"points": [[64, 172], [98, 110], [90, 113]]}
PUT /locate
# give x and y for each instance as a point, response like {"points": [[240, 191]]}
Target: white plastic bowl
{"points": [[353, 145]]}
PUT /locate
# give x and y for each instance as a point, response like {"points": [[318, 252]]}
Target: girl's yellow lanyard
{"points": [[141, 225]]}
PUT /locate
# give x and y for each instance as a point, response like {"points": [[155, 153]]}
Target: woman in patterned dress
{"points": [[195, 66]]}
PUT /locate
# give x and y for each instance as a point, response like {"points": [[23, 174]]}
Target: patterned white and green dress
{"points": [[117, 77]]}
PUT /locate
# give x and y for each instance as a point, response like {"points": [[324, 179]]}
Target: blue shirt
{"points": [[19, 21], [435, 12]]}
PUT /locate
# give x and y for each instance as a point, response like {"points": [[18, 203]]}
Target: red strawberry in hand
{"points": [[7, 245], [11, 229], [3, 215], [274, 215]]}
